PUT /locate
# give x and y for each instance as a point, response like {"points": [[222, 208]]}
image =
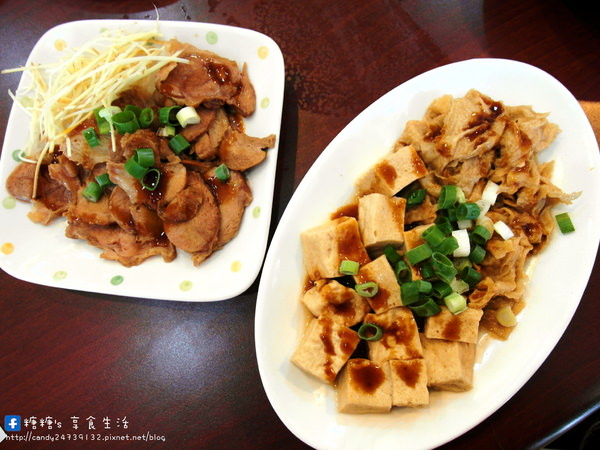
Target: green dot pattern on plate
{"points": [[16, 155], [211, 37], [185, 285], [256, 212], [9, 202], [116, 280], [265, 102], [59, 275]]}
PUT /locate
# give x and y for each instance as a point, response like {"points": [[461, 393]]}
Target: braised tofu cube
{"points": [[400, 338], [388, 290], [324, 247], [381, 221], [325, 348], [449, 364], [395, 171], [364, 387], [412, 237], [463, 327], [329, 298], [409, 382]]}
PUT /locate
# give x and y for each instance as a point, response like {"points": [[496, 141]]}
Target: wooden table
{"points": [[152, 365]]}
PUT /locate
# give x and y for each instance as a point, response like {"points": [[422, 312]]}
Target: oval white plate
{"points": [[43, 255], [306, 406]]}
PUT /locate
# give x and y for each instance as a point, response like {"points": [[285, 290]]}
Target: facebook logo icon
{"points": [[12, 423]]}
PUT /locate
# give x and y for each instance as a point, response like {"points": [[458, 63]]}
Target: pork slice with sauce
{"points": [[241, 152]]}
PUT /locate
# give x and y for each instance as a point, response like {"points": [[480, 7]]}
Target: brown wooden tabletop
{"points": [[187, 372]]}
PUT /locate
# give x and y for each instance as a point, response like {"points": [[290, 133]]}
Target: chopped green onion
{"points": [[92, 192], [425, 287], [461, 264], [222, 172], [447, 246], [348, 267], [471, 276], [477, 254], [480, 234], [460, 195], [187, 116], [402, 271], [459, 286], [409, 292], [564, 223], [91, 137], [467, 211], [136, 110], [134, 169], [440, 289], [370, 332], [464, 244], [503, 230], [108, 112], [426, 309], [151, 179], [178, 143], [415, 198], [443, 267], [391, 254], [125, 122], [101, 122], [104, 180], [418, 254], [168, 115], [368, 289], [427, 272], [455, 303], [144, 157], [506, 317], [444, 224], [448, 196], [146, 117], [166, 131], [433, 235]]}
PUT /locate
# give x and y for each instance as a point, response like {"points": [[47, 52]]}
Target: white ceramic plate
{"points": [[306, 406], [45, 256]]}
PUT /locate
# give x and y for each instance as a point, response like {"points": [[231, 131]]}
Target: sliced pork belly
{"points": [[119, 245], [134, 218], [192, 219], [241, 152], [232, 197]]}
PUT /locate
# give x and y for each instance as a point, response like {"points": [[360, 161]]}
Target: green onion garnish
{"points": [[564, 223], [91, 137], [418, 254], [444, 224], [104, 180], [409, 292], [467, 211], [402, 271], [222, 172], [426, 309], [187, 116], [447, 246], [178, 143], [101, 122], [370, 332], [391, 254], [125, 122], [448, 196], [480, 234], [443, 267], [146, 117], [427, 272], [471, 276], [144, 157], [433, 235], [368, 289], [348, 267], [415, 198], [134, 109], [134, 169], [455, 303], [168, 115], [92, 192], [440, 289], [459, 286], [151, 179], [477, 254]]}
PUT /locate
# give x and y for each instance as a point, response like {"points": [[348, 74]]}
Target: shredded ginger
{"points": [[64, 94]]}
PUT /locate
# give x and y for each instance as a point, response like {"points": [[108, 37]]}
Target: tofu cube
{"points": [[463, 327], [324, 247], [380, 271], [325, 348], [381, 221], [409, 382], [395, 171], [412, 237], [364, 387], [449, 364], [329, 298], [400, 338]]}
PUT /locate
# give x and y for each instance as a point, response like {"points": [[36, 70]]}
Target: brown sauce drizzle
{"points": [[386, 171], [367, 377], [350, 210], [409, 372], [350, 246], [452, 329]]}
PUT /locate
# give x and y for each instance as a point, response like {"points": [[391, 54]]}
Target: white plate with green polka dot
{"points": [[43, 255]]}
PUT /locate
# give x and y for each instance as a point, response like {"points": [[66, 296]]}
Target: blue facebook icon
{"points": [[12, 423]]}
